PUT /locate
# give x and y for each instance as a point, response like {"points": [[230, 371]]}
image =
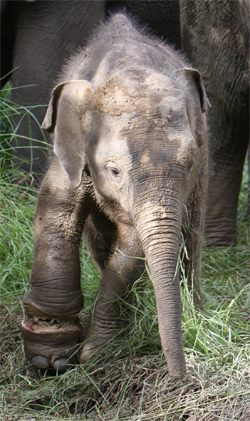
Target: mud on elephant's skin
{"points": [[130, 161]]}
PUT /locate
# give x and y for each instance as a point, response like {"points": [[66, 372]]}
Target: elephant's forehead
{"points": [[140, 139], [129, 95], [113, 142]]}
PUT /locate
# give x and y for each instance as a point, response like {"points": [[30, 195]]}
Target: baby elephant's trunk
{"points": [[159, 229]]}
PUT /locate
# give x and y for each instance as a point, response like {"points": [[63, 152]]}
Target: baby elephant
{"points": [[129, 166]]}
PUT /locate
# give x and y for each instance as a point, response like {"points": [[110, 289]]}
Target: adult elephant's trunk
{"points": [[159, 228]]}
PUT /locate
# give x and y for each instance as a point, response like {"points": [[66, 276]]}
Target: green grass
{"points": [[10, 140], [130, 380]]}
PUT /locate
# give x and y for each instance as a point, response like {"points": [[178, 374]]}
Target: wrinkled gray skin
{"points": [[215, 37], [129, 167]]}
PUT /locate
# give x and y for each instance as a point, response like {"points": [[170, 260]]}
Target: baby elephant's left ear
{"points": [[194, 76], [69, 100]]}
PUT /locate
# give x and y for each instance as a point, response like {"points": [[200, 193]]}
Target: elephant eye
{"points": [[114, 172]]}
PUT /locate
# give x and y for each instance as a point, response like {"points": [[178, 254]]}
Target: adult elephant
{"points": [[213, 34], [215, 37]]}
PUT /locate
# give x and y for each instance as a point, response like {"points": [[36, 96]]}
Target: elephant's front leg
{"points": [[125, 266], [51, 328]]}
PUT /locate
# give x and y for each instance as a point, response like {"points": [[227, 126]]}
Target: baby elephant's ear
{"points": [[69, 100], [194, 76]]}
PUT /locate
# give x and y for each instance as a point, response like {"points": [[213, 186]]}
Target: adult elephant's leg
{"points": [[125, 266], [225, 176], [48, 32], [215, 37], [51, 328]]}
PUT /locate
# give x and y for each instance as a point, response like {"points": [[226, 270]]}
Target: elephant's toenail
{"points": [[40, 362], [62, 365]]}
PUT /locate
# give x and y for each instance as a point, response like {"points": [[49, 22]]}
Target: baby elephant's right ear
{"points": [[69, 100]]}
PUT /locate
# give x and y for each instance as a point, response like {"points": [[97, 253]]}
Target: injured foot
{"points": [[51, 342]]}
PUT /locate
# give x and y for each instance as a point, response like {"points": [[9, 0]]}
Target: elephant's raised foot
{"points": [[51, 343]]}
